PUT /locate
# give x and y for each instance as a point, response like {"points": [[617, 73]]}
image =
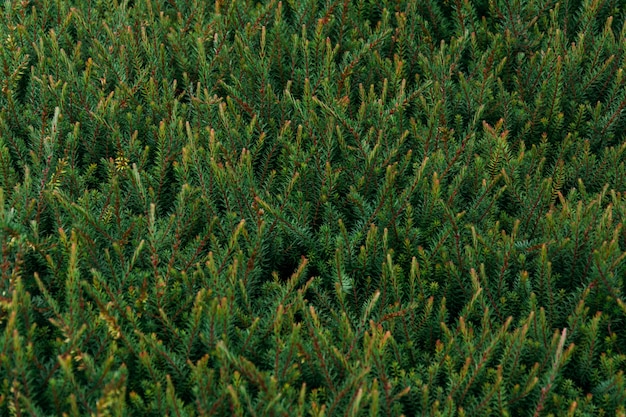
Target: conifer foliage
{"points": [[312, 208]]}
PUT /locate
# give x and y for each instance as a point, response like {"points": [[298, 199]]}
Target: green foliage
{"points": [[312, 208]]}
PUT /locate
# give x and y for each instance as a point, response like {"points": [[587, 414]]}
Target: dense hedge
{"points": [[310, 207]]}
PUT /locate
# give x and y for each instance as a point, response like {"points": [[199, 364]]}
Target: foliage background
{"points": [[312, 208]]}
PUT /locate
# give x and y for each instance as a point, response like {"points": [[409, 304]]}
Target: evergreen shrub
{"points": [[320, 208]]}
